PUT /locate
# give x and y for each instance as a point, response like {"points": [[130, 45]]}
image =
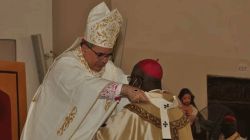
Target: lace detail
{"points": [[109, 91], [78, 52]]}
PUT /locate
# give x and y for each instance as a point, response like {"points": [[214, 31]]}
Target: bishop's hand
{"points": [[134, 94]]}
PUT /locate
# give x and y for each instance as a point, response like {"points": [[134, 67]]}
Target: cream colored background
{"points": [[191, 38], [18, 20]]}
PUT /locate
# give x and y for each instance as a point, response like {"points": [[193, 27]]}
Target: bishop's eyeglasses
{"points": [[98, 54]]}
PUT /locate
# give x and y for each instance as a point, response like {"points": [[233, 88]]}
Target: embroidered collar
{"points": [[78, 52]]}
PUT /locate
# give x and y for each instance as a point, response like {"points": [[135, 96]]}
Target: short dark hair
{"points": [[142, 80]]}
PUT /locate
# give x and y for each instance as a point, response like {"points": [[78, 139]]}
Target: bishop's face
{"points": [[96, 57]]}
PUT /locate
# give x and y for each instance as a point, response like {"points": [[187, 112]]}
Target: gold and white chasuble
{"points": [[67, 104], [142, 121]]}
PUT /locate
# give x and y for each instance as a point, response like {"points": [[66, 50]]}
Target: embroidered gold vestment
{"points": [[141, 121]]}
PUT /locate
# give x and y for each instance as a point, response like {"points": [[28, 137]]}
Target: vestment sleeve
{"points": [[76, 82]]}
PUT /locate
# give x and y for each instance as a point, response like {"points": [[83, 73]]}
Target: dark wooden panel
{"points": [[13, 83], [229, 89], [233, 93]]}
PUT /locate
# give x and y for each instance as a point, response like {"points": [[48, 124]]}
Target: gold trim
{"points": [[144, 114], [78, 52], [83, 119], [174, 125], [68, 119], [108, 103]]}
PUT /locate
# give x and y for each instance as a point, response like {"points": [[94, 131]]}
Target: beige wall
{"points": [[20, 19], [187, 70], [69, 19], [191, 38]]}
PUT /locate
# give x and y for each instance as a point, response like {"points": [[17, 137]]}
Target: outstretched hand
{"points": [[134, 94]]}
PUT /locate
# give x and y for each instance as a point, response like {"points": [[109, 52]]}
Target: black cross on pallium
{"points": [[165, 124], [166, 106]]}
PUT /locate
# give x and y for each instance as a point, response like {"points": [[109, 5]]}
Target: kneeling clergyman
{"points": [[159, 119]]}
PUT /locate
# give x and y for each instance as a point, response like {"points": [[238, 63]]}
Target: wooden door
{"points": [[13, 84]]}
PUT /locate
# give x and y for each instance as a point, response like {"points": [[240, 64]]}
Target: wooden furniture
{"points": [[13, 84]]}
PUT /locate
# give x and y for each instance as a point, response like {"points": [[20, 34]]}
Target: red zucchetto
{"points": [[151, 67]]}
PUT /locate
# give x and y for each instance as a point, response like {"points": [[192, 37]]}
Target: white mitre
{"points": [[103, 26]]}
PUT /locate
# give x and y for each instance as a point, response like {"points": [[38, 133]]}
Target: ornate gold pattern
{"points": [[174, 125], [78, 52], [68, 119], [104, 33], [144, 114]]}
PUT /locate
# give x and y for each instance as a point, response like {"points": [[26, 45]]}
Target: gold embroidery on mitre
{"points": [[67, 120], [104, 33], [174, 125]]}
